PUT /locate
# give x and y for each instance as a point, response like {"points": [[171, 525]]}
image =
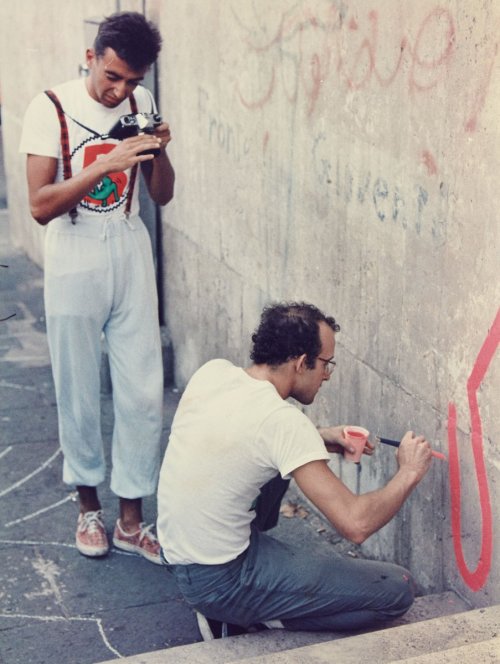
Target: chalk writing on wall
{"points": [[411, 207], [229, 137], [476, 578]]}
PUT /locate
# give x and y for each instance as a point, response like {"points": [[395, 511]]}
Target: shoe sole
{"points": [[204, 627], [91, 552], [132, 548]]}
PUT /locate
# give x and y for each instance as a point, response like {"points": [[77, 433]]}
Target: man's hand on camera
{"points": [[162, 132], [126, 153]]}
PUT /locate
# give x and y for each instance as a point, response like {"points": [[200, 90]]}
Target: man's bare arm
{"points": [[357, 517], [49, 199], [159, 174]]}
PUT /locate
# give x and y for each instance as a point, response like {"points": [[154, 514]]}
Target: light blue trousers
{"points": [[99, 278], [306, 590]]}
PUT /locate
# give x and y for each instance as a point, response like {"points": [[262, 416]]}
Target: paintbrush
{"points": [[396, 443]]}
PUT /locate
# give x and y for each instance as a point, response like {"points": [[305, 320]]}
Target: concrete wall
{"points": [[344, 153], [347, 154]]}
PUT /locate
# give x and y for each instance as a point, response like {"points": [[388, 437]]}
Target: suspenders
{"points": [[133, 172], [66, 156], [64, 144]]}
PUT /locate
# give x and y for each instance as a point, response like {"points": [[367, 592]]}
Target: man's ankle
{"points": [[89, 501], [129, 527], [130, 514]]}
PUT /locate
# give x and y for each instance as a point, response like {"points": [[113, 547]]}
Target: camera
{"points": [[134, 124]]}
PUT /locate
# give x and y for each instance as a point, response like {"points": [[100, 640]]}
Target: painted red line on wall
{"points": [[475, 579]]}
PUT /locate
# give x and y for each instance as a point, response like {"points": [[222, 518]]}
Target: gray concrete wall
{"points": [[347, 153], [344, 153]]}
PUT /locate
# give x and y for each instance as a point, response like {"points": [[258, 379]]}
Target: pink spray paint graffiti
{"points": [[477, 578], [315, 44]]}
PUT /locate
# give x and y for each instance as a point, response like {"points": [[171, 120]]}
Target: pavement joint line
{"points": [[40, 511], [32, 474], [96, 621], [36, 543], [6, 451], [15, 386], [113, 549]]}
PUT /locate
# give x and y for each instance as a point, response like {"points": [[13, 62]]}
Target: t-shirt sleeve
{"points": [[41, 133], [292, 440]]}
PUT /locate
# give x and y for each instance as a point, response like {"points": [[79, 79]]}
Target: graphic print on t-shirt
{"points": [[109, 192]]}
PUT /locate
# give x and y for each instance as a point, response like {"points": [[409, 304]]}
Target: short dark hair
{"points": [[133, 38], [287, 330]]}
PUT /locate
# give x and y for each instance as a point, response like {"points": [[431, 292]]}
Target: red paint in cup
{"points": [[356, 437]]}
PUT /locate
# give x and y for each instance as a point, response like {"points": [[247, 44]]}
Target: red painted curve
{"points": [[476, 578]]}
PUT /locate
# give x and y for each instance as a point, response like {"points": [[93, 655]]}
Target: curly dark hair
{"points": [[287, 330], [133, 38]]}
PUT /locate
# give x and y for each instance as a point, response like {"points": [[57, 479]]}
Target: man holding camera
{"points": [[99, 271]]}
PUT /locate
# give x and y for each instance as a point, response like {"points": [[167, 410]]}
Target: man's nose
{"points": [[120, 89]]}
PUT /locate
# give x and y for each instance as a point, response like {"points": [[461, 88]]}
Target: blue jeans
{"points": [[306, 590]]}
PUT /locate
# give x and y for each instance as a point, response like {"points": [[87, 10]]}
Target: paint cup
{"points": [[356, 437]]}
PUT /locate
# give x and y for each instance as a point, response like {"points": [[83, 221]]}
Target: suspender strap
{"points": [[66, 157], [133, 172]]}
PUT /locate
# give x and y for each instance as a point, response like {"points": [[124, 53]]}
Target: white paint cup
{"points": [[356, 437]]}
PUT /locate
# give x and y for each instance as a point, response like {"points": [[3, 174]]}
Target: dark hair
{"points": [[287, 330], [131, 36]]}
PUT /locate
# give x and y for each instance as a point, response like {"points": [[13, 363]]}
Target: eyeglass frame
{"points": [[327, 368]]}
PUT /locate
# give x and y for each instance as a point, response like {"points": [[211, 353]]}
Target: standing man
{"points": [[99, 273], [233, 433]]}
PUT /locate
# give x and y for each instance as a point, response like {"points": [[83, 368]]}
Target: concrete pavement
{"points": [[51, 597]]}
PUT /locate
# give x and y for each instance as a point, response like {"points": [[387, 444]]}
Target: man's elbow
{"points": [[356, 532], [39, 215], [359, 537]]}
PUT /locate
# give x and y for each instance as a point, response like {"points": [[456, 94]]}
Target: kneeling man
{"points": [[235, 444]]}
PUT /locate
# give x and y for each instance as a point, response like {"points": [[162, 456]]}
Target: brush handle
{"points": [[395, 443]]}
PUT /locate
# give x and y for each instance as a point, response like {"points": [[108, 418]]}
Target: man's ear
{"points": [[300, 364], [90, 56]]}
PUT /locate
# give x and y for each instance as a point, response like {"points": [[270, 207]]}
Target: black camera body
{"points": [[134, 124]]}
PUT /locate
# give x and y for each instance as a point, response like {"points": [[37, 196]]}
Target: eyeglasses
{"points": [[329, 365]]}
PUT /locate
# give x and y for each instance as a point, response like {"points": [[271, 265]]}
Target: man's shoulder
{"points": [[65, 92], [216, 365], [71, 87], [289, 415]]}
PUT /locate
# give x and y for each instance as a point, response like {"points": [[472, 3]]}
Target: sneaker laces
{"points": [[146, 532], [91, 522]]}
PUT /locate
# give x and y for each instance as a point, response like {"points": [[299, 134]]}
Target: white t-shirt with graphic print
{"points": [[230, 435], [87, 120]]}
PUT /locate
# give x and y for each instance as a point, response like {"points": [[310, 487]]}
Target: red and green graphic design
{"points": [[109, 190]]}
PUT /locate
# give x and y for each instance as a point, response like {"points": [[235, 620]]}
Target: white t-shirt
{"points": [[41, 135], [231, 434]]}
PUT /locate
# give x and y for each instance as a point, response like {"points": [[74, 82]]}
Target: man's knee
{"points": [[402, 593]]}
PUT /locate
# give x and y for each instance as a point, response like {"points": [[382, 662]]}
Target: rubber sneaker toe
{"points": [[142, 542], [91, 539]]}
